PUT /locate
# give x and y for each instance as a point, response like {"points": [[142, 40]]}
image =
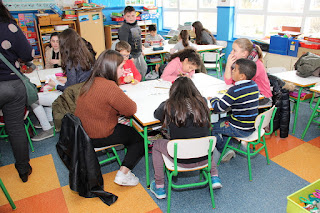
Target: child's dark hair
{"points": [[106, 67], [184, 100], [152, 28], [184, 35], [123, 45], [189, 53], [54, 34], [128, 9], [247, 67]]}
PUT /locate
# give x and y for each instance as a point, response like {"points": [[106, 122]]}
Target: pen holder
{"points": [[157, 48]]}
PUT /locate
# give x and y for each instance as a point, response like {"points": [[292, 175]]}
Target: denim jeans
{"points": [[224, 128]]}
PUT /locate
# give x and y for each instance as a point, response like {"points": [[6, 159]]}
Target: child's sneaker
{"points": [[160, 193], [216, 183], [228, 155], [128, 179]]}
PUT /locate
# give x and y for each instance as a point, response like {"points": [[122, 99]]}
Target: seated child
{"points": [[183, 42], [130, 73], [153, 38], [186, 115], [243, 98], [182, 63]]}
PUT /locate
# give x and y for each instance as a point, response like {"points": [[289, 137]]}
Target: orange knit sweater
{"points": [[99, 109]]}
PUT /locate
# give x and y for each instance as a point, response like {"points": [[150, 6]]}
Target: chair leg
{"points": [[311, 118], [30, 141], [211, 189], [266, 150], [249, 162], [224, 150], [13, 206], [117, 156], [31, 124], [169, 191]]}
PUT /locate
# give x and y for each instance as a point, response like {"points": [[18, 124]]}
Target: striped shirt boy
{"points": [[243, 98]]}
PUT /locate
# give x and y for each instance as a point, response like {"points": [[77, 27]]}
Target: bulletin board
{"points": [[16, 5]]}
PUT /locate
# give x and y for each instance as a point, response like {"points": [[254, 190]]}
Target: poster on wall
{"points": [[16, 5], [139, 2]]}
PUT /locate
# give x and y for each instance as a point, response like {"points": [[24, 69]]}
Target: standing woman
{"points": [[76, 63], [53, 56], [203, 36], [99, 105], [14, 46]]}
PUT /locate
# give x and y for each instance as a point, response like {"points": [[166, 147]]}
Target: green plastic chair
{"points": [[315, 114], [13, 206], [27, 124], [188, 149], [110, 158], [212, 61], [261, 122]]}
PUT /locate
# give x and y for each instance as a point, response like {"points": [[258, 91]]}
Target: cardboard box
{"points": [[44, 20], [303, 50]]}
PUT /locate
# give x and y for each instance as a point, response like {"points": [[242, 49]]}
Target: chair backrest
{"points": [[267, 118], [222, 43], [273, 70], [210, 56], [191, 148]]}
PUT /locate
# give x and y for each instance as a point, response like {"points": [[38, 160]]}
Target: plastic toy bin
{"points": [[293, 199], [278, 45]]}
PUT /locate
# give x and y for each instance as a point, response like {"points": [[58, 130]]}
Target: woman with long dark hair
{"points": [[203, 36], [14, 46], [186, 115], [76, 63], [99, 105]]}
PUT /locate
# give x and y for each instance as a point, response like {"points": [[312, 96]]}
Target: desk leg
{"points": [[311, 118], [296, 111], [145, 137]]}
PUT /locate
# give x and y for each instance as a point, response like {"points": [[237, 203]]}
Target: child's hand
{"points": [[209, 98], [161, 44], [134, 81], [128, 79], [52, 83], [54, 61], [151, 43], [63, 80], [231, 59]]}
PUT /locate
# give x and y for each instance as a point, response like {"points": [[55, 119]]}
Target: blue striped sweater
{"points": [[243, 98]]}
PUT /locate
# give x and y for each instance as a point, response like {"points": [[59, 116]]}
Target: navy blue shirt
{"points": [[13, 45]]}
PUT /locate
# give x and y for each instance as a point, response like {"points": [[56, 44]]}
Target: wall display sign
{"points": [[16, 5], [140, 2]]}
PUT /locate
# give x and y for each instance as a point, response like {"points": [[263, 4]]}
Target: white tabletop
{"points": [[148, 95], [315, 89], [34, 78], [46, 72], [291, 76], [167, 47]]}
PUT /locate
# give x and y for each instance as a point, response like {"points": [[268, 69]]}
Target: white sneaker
{"points": [[128, 179], [228, 155]]}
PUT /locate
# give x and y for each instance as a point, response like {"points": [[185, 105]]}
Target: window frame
{"points": [[197, 11], [306, 13]]}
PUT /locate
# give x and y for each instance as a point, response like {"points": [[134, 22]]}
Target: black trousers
{"points": [[12, 102], [127, 136]]}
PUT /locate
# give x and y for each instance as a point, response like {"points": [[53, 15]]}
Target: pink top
{"points": [[129, 69], [261, 79], [173, 70]]}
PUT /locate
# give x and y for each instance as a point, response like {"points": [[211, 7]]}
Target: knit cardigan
{"points": [[99, 109]]}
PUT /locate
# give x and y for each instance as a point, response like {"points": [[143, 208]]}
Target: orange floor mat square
{"points": [[302, 161], [315, 142], [130, 199]]}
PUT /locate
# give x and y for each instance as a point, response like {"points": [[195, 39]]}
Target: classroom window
{"points": [[260, 18], [180, 11], [170, 20]]}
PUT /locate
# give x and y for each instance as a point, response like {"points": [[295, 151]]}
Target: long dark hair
{"points": [[74, 51], [198, 30], [106, 66], [190, 53], [5, 15], [185, 100], [184, 35]]}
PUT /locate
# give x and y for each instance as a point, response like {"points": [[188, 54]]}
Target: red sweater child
{"points": [[130, 69]]}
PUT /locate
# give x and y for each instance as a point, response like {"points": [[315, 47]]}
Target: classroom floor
{"points": [[294, 164]]}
